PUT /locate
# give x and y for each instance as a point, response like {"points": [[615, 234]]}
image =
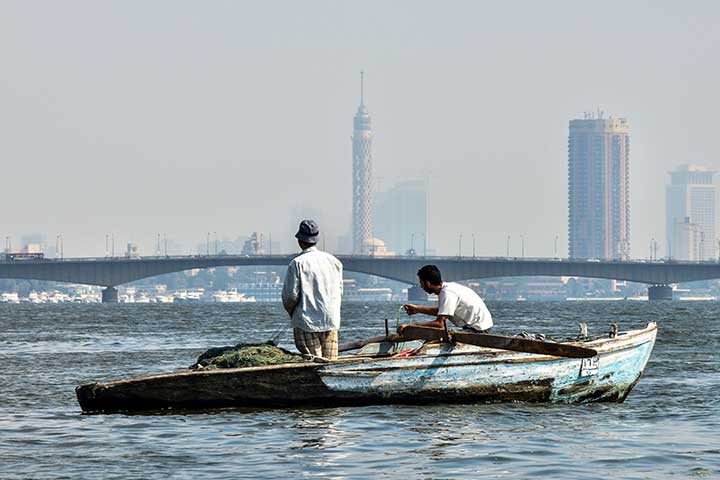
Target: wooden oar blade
{"points": [[410, 332], [516, 344], [345, 347]]}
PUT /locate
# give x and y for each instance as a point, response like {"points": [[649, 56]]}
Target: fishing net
{"points": [[245, 355]]}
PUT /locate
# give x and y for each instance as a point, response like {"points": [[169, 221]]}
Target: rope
{"points": [[274, 339]]}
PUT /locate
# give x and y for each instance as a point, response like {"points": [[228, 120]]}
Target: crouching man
{"points": [[457, 303], [312, 295]]}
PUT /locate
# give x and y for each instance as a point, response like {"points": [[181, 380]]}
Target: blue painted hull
{"points": [[437, 373], [463, 372]]}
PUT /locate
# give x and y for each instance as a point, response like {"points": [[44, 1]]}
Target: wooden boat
{"points": [[431, 372]]}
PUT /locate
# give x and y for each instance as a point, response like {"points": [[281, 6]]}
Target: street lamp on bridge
{"points": [[424, 236], [59, 246], [652, 242]]}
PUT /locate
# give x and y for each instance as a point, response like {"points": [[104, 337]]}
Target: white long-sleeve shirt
{"points": [[313, 290]]}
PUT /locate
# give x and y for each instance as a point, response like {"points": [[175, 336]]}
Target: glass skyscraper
{"points": [[401, 217], [598, 188], [691, 214]]}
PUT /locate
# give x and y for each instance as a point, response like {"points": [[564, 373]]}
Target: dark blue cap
{"points": [[308, 231]]}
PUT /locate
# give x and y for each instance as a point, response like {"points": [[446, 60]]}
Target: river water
{"points": [[669, 427]]}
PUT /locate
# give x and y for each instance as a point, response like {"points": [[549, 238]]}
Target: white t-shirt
{"points": [[463, 306]]}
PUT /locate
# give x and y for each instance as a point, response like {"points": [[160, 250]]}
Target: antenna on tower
{"points": [[362, 87]]}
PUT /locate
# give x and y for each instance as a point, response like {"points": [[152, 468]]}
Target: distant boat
{"points": [[9, 298], [401, 372], [192, 296], [231, 296]]}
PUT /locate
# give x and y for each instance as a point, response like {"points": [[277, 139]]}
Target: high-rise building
{"points": [[691, 213], [598, 187], [362, 176], [401, 217]]}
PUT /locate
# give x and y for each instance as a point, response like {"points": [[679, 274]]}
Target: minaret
{"points": [[362, 175]]}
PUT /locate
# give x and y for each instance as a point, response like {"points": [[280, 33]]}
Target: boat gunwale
{"points": [[355, 359]]}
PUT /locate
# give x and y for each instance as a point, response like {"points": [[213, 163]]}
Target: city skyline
{"points": [[206, 121]]}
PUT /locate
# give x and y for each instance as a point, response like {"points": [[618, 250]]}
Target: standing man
{"points": [[457, 303], [312, 295]]}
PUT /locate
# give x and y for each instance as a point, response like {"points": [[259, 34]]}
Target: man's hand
{"points": [[400, 328], [410, 309]]}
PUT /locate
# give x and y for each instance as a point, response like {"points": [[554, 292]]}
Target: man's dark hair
{"points": [[430, 274]]}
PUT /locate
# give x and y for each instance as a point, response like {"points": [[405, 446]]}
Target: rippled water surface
{"points": [[669, 427]]}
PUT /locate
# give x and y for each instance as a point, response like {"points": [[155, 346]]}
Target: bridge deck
{"points": [[119, 270]]}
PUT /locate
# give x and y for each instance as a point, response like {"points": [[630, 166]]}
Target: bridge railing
{"points": [[427, 258], [136, 258]]}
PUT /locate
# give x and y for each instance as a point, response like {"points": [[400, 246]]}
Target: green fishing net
{"points": [[245, 355]]}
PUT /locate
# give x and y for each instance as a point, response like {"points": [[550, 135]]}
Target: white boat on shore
{"points": [[231, 296], [9, 298]]}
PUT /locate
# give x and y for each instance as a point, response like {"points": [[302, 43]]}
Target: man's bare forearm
{"points": [[427, 310], [439, 322]]}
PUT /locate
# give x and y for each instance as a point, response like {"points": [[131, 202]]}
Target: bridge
{"points": [[110, 272]]}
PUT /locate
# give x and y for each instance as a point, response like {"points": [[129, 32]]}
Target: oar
{"points": [[388, 337], [498, 341], [361, 343], [523, 345]]}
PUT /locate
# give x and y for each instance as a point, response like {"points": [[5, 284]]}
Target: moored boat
{"points": [[399, 372]]}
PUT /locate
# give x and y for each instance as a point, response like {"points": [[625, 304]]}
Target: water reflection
{"points": [[315, 428]]}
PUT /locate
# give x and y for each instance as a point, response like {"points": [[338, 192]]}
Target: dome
{"points": [[375, 247], [373, 242]]}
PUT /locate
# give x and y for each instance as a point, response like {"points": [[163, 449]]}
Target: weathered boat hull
{"points": [[439, 374]]}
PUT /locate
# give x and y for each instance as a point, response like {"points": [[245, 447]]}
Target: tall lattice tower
{"points": [[362, 175]]}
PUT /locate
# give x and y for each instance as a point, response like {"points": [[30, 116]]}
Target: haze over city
{"points": [[359, 239], [144, 118]]}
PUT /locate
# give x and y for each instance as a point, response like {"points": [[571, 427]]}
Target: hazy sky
{"points": [[139, 117]]}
